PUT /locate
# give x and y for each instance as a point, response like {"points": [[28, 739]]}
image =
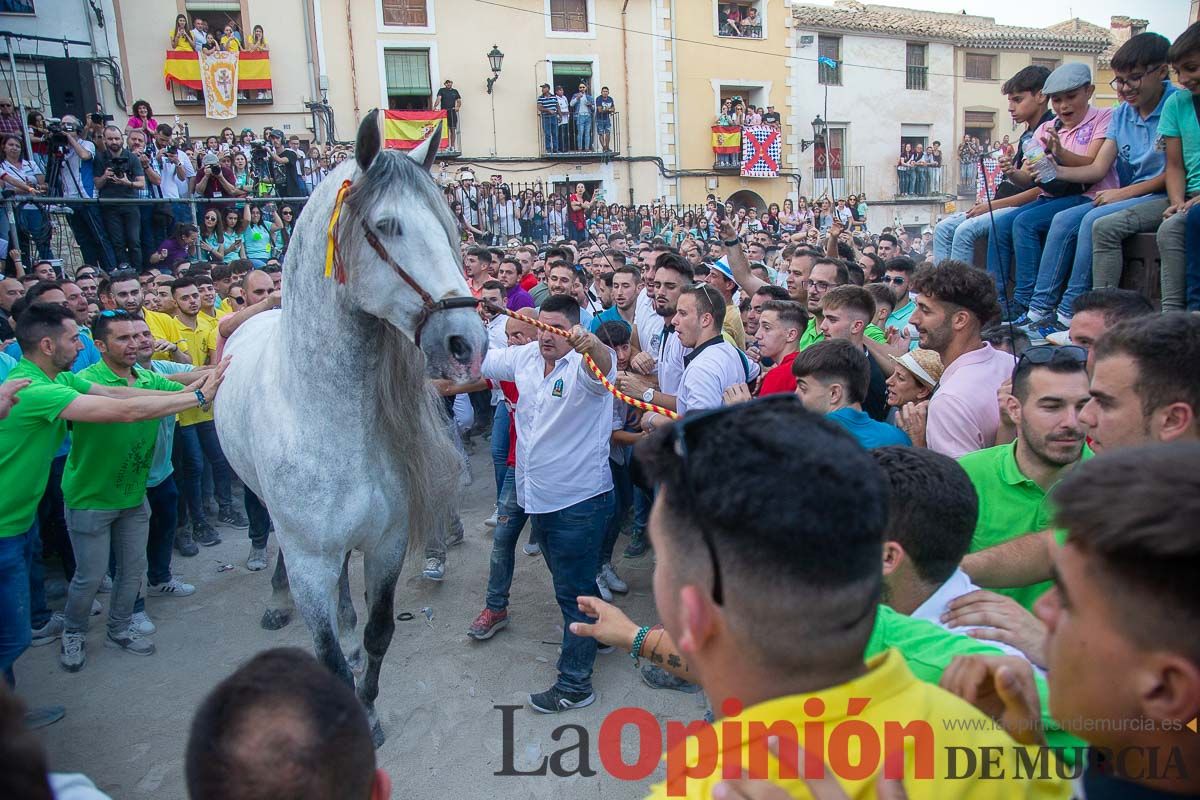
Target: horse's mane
{"points": [[408, 409]]}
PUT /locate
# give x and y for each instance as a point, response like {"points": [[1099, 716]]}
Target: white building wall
{"points": [[873, 104]]}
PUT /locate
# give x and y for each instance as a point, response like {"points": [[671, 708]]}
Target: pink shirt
{"points": [[1094, 125], [963, 413]]}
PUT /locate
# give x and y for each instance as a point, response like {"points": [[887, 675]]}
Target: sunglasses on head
{"points": [[1045, 353]]}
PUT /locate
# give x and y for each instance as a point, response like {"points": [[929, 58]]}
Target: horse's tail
{"points": [[412, 420]]}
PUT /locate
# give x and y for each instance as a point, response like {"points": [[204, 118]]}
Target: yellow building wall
{"points": [[705, 61]]}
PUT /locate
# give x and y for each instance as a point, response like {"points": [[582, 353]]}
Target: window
{"points": [[410, 13], [218, 15], [917, 69], [568, 16], [829, 47], [408, 79], [831, 156], [741, 18], [979, 66], [1049, 63]]}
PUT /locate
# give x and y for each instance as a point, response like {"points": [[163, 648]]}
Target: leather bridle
{"points": [[429, 306]]}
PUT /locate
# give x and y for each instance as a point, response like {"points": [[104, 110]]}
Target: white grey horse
{"points": [[326, 413]]}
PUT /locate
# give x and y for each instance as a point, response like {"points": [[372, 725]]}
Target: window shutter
{"points": [[407, 72], [405, 12], [568, 16]]}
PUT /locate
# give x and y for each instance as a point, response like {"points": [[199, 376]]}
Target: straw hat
{"points": [[926, 365]]}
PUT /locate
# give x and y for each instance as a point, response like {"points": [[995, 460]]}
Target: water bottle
{"points": [[1041, 161]]}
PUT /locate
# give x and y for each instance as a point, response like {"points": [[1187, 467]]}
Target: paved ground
{"points": [[127, 717]]}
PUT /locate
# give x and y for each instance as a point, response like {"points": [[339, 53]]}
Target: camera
{"points": [[118, 168], [214, 170]]}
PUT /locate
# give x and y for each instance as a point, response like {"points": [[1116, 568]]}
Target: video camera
{"points": [[58, 132]]}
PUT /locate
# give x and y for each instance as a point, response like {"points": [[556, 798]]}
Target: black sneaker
{"points": [[637, 546], [233, 518], [184, 544], [659, 678], [554, 700], [204, 534]]}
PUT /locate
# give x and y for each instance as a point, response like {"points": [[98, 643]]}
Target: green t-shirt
{"points": [[928, 649], [29, 437], [1010, 506], [811, 335], [1178, 121], [109, 461]]}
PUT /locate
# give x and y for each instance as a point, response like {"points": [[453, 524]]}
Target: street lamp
{"points": [[817, 124], [495, 60]]}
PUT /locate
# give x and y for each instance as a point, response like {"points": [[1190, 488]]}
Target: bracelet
{"points": [[638, 641], [200, 398], [733, 242]]}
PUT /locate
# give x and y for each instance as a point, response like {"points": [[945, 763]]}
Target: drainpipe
{"points": [[675, 95], [628, 103], [353, 70], [305, 8]]}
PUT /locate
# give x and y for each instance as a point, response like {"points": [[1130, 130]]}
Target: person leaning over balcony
{"points": [[450, 101], [605, 107]]}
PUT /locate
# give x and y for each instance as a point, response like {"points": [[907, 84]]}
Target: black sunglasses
{"points": [[1047, 353], [116, 314], [899, 281]]}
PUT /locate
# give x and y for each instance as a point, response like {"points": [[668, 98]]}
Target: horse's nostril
{"points": [[460, 349]]}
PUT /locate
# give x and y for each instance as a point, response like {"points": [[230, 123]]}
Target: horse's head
{"points": [[399, 246]]}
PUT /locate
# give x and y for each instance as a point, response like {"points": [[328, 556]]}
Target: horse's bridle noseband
{"points": [[429, 306]]}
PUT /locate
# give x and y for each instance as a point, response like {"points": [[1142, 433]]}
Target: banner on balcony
{"points": [[218, 75], [253, 74], [404, 130], [726, 139], [760, 151], [991, 168]]}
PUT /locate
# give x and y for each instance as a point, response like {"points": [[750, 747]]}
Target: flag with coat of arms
{"points": [[760, 151]]}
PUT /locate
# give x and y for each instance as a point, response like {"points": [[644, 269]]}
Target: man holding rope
{"points": [[564, 420]]}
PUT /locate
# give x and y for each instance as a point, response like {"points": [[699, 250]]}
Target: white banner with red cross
{"points": [[760, 151]]}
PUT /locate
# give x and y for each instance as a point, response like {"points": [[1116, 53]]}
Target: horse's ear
{"points": [[425, 153], [369, 140]]}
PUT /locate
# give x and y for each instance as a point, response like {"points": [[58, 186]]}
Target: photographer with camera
{"points": [[215, 181], [119, 176], [288, 180], [157, 221], [71, 168], [176, 170]]}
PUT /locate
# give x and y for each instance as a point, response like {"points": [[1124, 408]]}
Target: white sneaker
{"points": [[51, 632], [172, 588], [494, 519], [605, 594], [531, 549], [613, 580], [105, 585], [141, 623]]}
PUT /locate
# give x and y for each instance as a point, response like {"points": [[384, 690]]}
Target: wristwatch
{"points": [[648, 396]]}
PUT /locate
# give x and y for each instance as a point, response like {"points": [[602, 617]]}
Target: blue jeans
{"points": [[14, 600], [622, 502], [955, 237], [164, 514], [1030, 224], [259, 519], [583, 132], [511, 521], [570, 540], [195, 443], [500, 446], [1067, 257], [641, 509], [1192, 239], [550, 132]]}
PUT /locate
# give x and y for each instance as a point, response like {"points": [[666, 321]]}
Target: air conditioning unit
{"points": [[805, 41]]}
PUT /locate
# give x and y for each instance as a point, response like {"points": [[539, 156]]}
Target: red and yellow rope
{"points": [[636, 402]]}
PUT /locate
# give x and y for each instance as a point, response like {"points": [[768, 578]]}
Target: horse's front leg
{"points": [[348, 621], [279, 612], [381, 570]]}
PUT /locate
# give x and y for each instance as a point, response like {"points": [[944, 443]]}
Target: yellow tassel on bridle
{"points": [[331, 254]]}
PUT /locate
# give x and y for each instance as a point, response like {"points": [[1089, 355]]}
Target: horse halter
{"points": [[429, 306]]}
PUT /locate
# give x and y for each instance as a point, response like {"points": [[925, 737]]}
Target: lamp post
{"points": [[495, 61]]}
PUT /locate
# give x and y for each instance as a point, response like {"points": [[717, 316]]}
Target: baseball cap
{"points": [[210, 159], [1067, 77]]}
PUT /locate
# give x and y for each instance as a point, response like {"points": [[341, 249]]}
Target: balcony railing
{"points": [[182, 95], [595, 138], [917, 78], [923, 181]]}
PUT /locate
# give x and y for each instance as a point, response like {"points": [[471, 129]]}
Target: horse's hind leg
{"points": [[381, 569], [279, 612], [348, 621]]}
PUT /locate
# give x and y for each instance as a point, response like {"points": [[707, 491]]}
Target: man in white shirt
{"points": [[712, 364], [75, 182], [932, 509], [175, 173], [564, 422]]}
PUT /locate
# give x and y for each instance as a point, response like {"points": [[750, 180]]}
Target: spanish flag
{"points": [[404, 130], [183, 66], [726, 139]]}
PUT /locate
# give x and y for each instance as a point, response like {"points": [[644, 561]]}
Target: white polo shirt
{"points": [[670, 362], [649, 324], [709, 370], [564, 425], [497, 332]]}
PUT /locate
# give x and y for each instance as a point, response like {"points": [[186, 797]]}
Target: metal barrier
{"points": [[599, 138], [922, 181]]}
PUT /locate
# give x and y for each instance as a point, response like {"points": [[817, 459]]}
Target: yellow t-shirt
{"points": [[201, 341], [164, 326], [886, 698]]}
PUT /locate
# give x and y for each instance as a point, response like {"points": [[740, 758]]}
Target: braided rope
{"points": [[636, 402]]}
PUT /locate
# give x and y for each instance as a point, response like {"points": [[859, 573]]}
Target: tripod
{"points": [[82, 218]]}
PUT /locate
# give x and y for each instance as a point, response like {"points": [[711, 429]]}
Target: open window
{"points": [[742, 19]]}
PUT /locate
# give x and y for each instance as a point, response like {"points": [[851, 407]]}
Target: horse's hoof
{"points": [[274, 619]]}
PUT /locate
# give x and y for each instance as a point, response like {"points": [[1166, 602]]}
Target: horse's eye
{"points": [[389, 227]]}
